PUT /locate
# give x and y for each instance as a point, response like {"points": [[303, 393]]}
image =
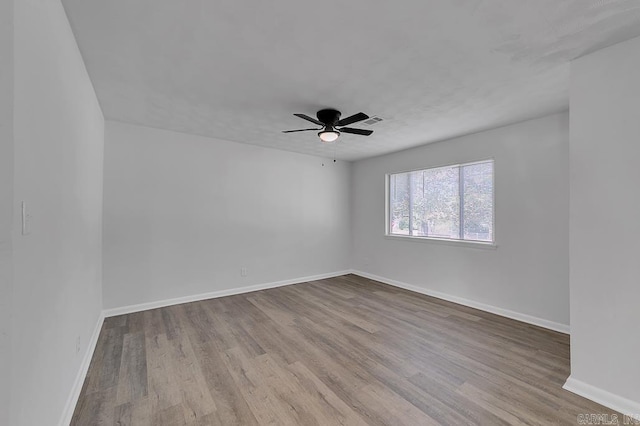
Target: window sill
{"points": [[444, 241]]}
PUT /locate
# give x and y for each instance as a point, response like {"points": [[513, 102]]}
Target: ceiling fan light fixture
{"points": [[329, 119], [329, 135]]}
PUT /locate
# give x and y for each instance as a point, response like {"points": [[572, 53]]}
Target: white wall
{"points": [[605, 220], [528, 272], [59, 136], [183, 214], [6, 202]]}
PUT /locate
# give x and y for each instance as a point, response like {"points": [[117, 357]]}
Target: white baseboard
{"points": [[540, 322], [70, 406], [603, 397], [215, 294]]}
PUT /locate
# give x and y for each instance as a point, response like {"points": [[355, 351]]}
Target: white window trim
{"points": [[445, 241]]}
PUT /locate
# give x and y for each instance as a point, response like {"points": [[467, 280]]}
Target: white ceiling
{"points": [[432, 69]]}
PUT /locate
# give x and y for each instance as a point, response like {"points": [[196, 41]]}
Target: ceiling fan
{"points": [[332, 125]]}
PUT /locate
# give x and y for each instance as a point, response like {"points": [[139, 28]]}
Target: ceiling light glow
{"points": [[329, 135]]}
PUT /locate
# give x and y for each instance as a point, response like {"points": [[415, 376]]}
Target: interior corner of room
{"points": [[101, 217]]}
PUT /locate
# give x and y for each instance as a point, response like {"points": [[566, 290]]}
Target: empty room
{"points": [[415, 212]]}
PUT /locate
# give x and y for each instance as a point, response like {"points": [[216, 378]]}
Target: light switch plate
{"points": [[26, 219]]}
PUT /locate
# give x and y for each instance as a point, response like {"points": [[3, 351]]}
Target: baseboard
{"points": [[540, 322], [215, 294], [70, 406], [603, 397]]}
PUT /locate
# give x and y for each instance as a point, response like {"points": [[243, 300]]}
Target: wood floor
{"points": [[345, 350]]}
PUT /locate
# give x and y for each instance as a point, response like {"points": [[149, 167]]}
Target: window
{"points": [[453, 202]]}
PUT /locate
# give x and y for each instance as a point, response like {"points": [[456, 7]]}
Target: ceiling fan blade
{"points": [[352, 119], [362, 132], [313, 120], [301, 130]]}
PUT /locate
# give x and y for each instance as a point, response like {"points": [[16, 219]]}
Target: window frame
{"points": [[452, 241]]}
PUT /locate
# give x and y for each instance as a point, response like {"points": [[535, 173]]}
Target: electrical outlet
{"points": [[244, 271], [78, 345]]}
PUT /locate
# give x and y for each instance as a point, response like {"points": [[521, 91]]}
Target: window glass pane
{"points": [[478, 201], [437, 203], [418, 204], [399, 204], [428, 203]]}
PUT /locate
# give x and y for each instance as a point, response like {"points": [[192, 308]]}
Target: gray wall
{"points": [[528, 271], [605, 225], [183, 214], [6, 202], [59, 134]]}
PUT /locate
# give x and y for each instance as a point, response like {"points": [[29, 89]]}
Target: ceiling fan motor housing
{"points": [[328, 116]]}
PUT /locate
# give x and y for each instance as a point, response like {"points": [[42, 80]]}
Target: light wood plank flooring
{"points": [[345, 350]]}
